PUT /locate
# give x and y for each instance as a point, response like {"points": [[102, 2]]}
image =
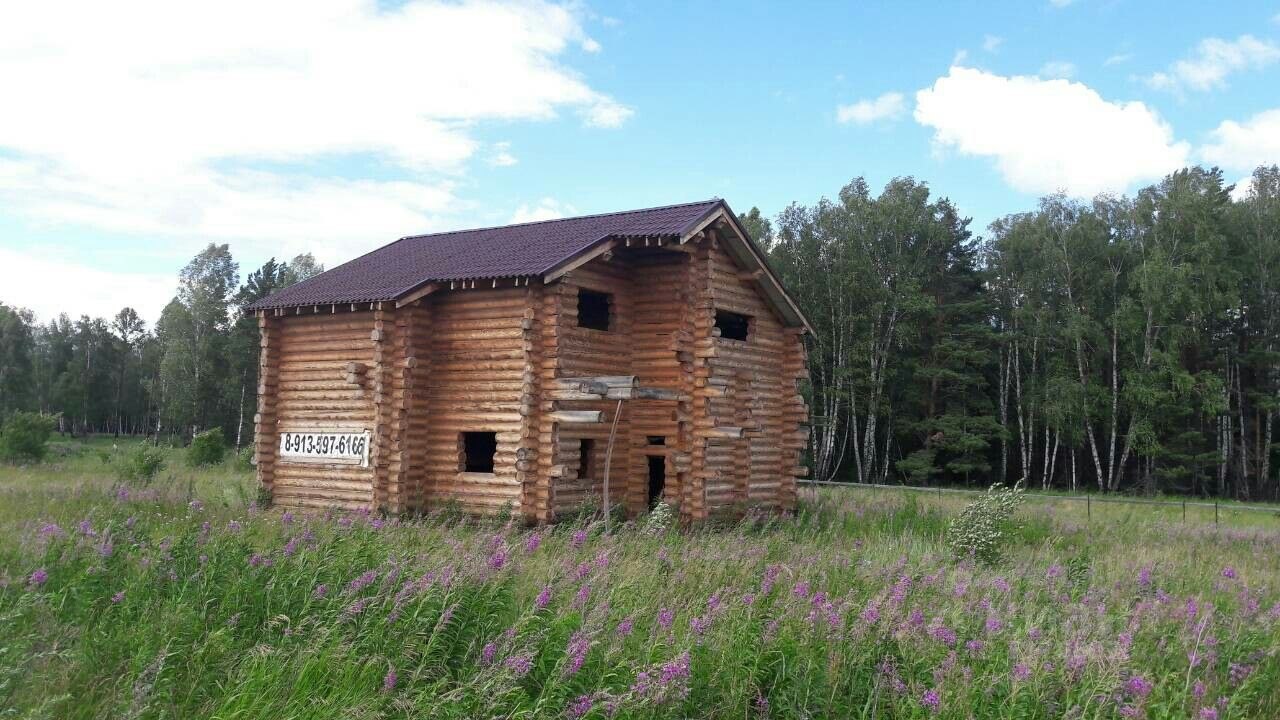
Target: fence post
{"points": [[1088, 507], [1184, 512], [1215, 511]]}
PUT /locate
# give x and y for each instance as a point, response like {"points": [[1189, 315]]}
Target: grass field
{"points": [[180, 600]]}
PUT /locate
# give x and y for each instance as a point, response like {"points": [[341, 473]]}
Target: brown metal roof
{"points": [[513, 251], [527, 249]]}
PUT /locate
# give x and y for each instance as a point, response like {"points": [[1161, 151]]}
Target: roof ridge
{"points": [[564, 219]]}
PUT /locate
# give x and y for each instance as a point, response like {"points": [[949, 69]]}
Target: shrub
{"points": [[660, 519], [25, 436], [140, 464], [207, 448], [980, 530]]}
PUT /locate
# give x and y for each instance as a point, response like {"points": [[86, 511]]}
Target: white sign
{"points": [[339, 447]]}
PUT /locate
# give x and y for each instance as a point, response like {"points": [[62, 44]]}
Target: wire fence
{"points": [[1088, 500]]}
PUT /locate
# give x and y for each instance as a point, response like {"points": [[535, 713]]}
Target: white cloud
{"points": [[1213, 60], [501, 155], [48, 285], [1244, 146], [1048, 135], [591, 46], [226, 121], [545, 209], [991, 43], [1057, 69], [606, 114], [1117, 59], [888, 106]]}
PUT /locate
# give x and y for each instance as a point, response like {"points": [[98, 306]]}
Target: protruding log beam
{"points": [[576, 416]]}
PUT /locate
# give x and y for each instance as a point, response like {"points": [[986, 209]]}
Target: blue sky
{"points": [[336, 126]]}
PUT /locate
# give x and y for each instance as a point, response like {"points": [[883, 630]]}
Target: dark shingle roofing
{"points": [[528, 249]]}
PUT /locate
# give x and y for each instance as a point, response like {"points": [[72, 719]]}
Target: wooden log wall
{"points": [[584, 352], [305, 387], [476, 381], [748, 410]]}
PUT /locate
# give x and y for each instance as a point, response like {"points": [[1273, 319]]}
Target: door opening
{"points": [[657, 479]]}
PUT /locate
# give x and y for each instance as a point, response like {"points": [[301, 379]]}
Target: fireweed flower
{"points": [[1021, 672], [580, 707], [579, 537], [389, 681], [86, 528], [931, 700], [580, 600], [665, 618], [994, 625], [1054, 571], [870, 614], [286, 518], [195, 505], [488, 653], [1229, 572], [624, 627], [38, 578], [320, 591], [49, 530], [543, 599], [576, 652], [532, 543], [518, 664], [801, 589], [498, 559], [1208, 713], [118, 598], [362, 582], [1138, 686]]}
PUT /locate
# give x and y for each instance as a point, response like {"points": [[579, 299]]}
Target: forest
{"points": [[1123, 344]]}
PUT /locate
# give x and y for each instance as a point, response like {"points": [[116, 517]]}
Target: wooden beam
{"points": [[576, 416], [418, 294], [578, 260]]}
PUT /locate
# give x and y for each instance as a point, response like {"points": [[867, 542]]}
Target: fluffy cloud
{"points": [[1244, 146], [1213, 60], [545, 209], [27, 279], [239, 120], [991, 43], [888, 106], [1057, 69], [1048, 135]]}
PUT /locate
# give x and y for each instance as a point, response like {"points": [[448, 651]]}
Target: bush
{"points": [[25, 436], [207, 448], [979, 532], [140, 464], [660, 520]]}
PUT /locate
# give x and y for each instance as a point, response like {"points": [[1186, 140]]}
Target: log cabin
{"points": [[615, 360]]}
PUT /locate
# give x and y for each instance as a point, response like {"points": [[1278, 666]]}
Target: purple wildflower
{"points": [[870, 614], [580, 599], [195, 505], [498, 559], [1021, 672], [291, 547], [357, 607], [580, 707], [974, 646], [1198, 690], [943, 634], [665, 618], [699, 625], [362, 582], [1208, 713], [1138, 686], [320, 591], [931, 700], [518, 664], [233, 526], [38, 577], [86, 528], [576, 652], [118, 598], [532, 543], [800, 589], [1229, 572], [389, 681], [286, 518], [1054, 571], [487, 654], [624, 627], [1144, 577], [49, 530], [579, 537]]}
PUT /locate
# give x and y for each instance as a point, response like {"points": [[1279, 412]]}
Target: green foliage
{"points": [[207, 448], [24, 437], [659, 520], [981, 530], [139, 464]]}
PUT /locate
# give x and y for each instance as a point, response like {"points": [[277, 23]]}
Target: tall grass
{"points": [[178, 600]]}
